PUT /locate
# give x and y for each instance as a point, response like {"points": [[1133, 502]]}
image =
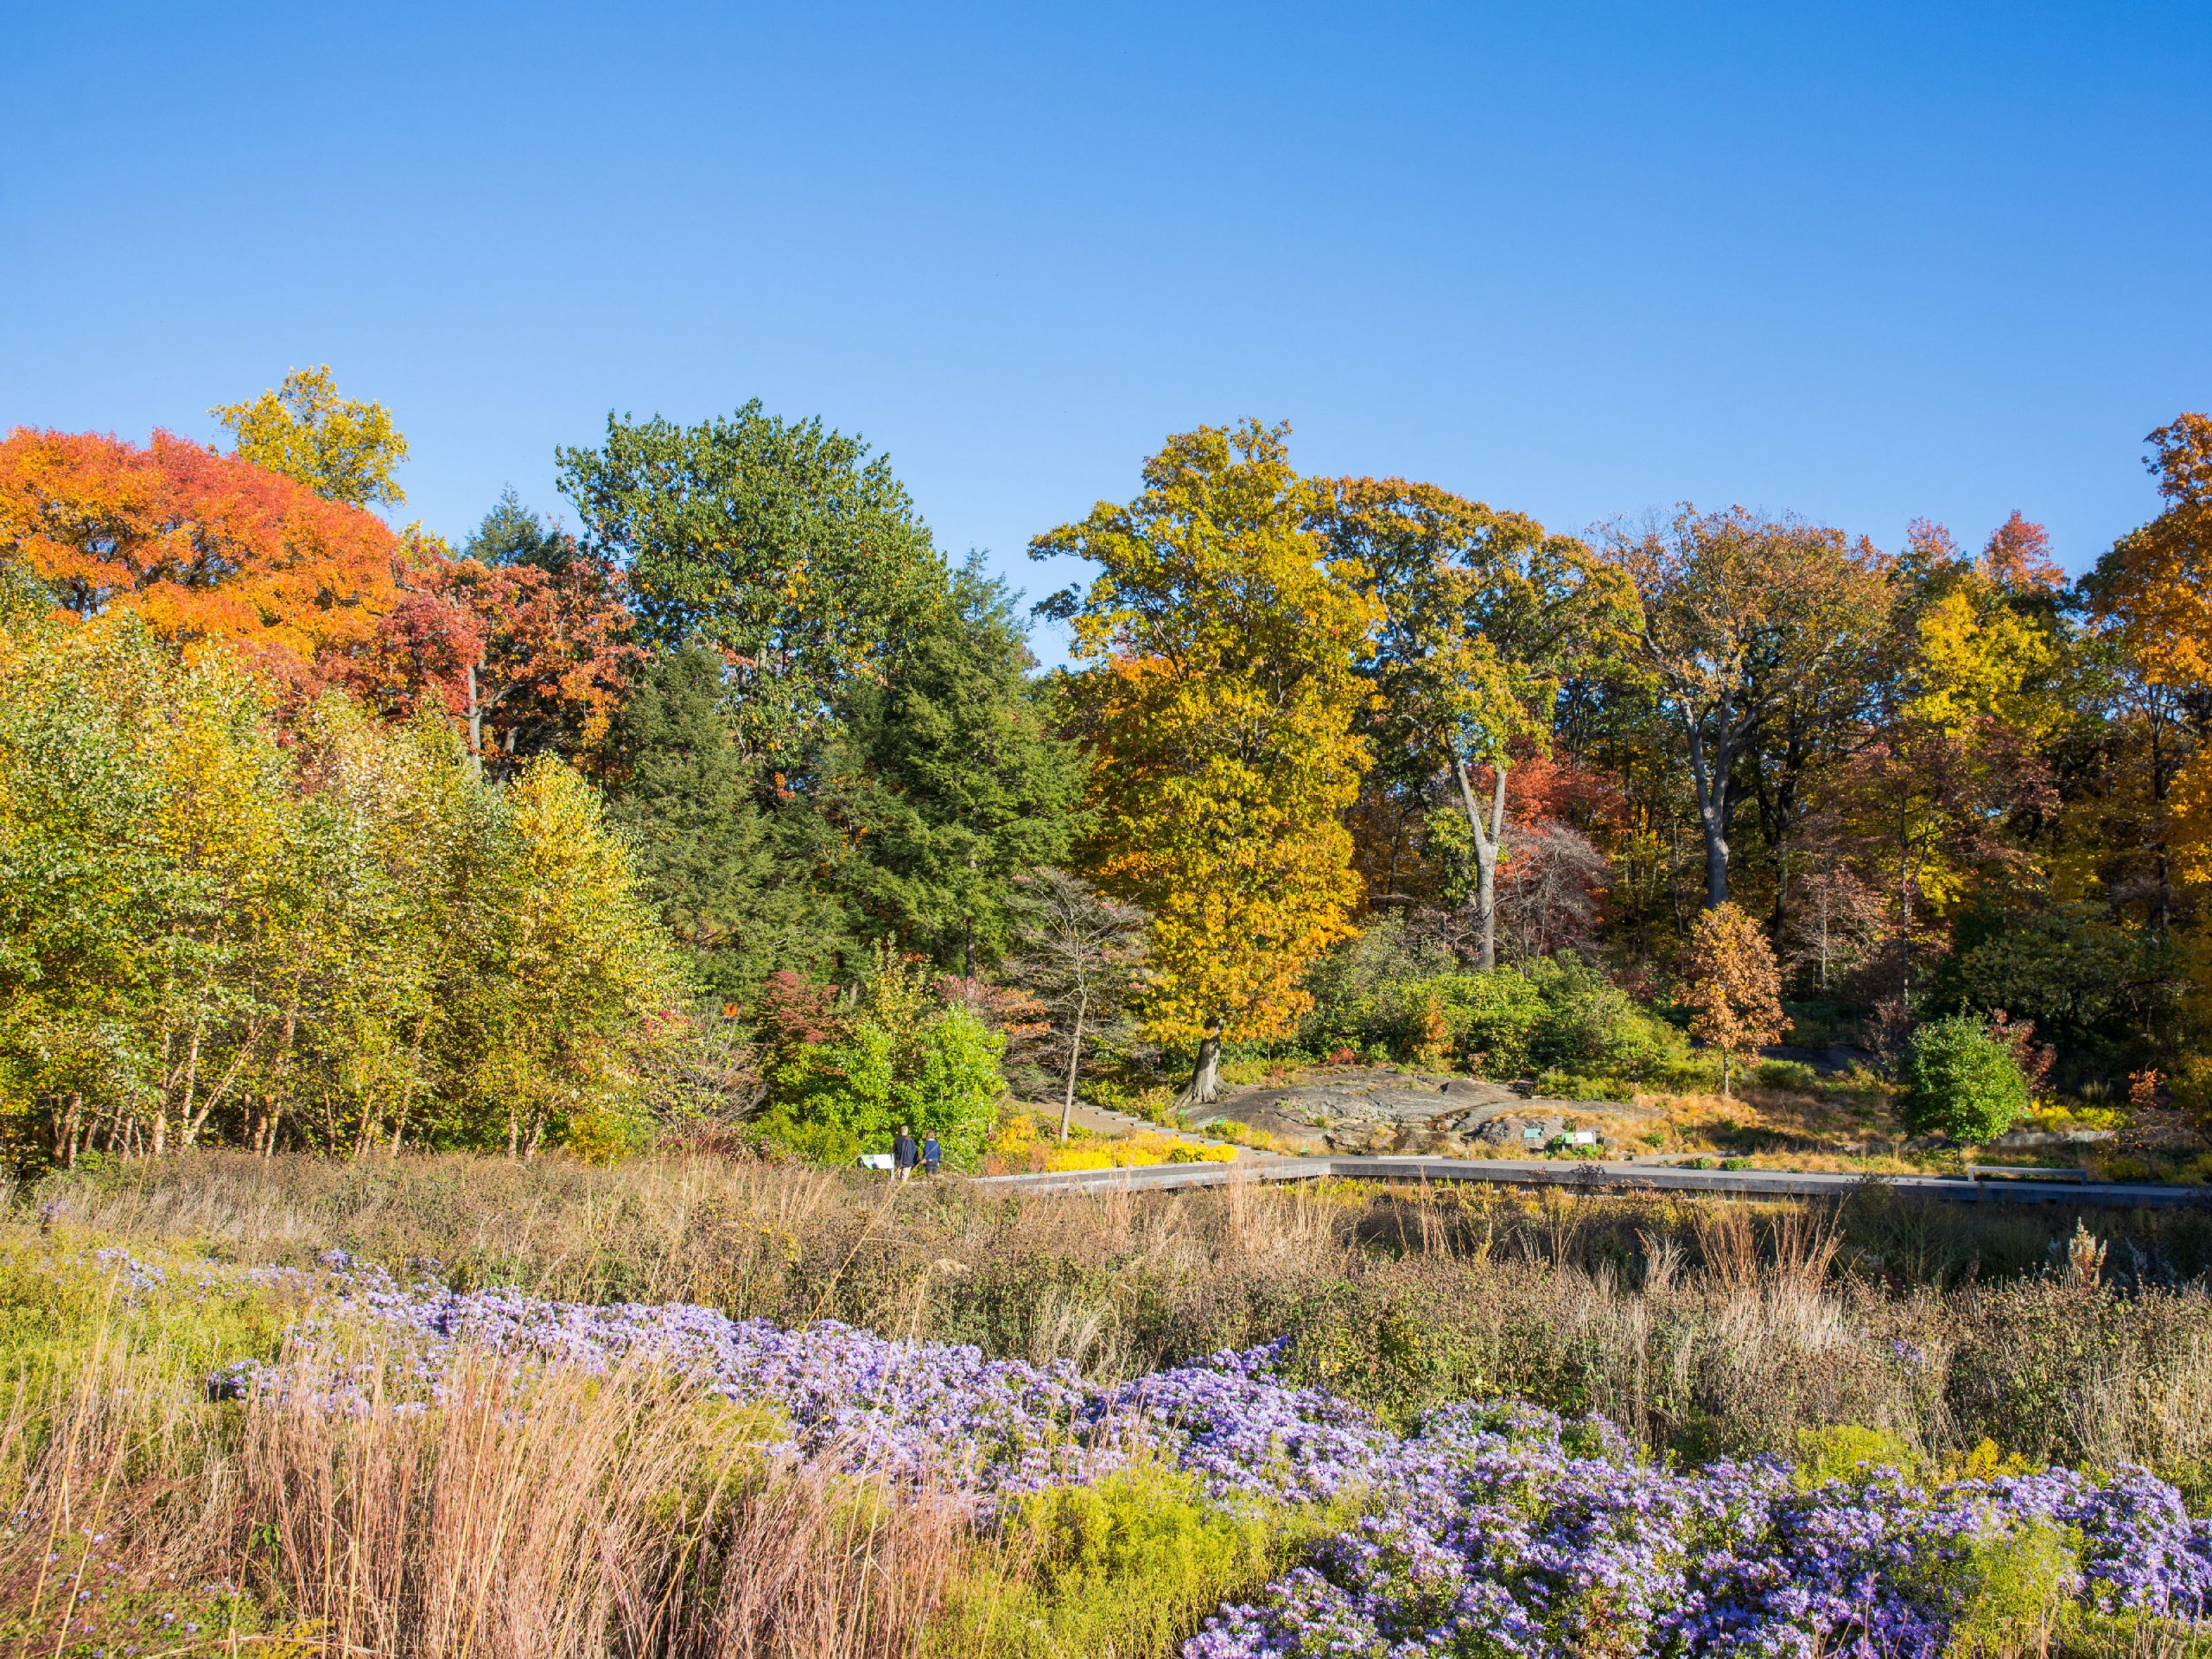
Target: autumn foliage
{"points": [[205, 547], [1220, 721], [1731, 986], [521, 659]]}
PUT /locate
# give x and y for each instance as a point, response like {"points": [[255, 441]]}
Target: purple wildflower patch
{"points": [[1494, 1529]]}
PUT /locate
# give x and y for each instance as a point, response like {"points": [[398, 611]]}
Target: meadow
{"points": [[689, 1405]]}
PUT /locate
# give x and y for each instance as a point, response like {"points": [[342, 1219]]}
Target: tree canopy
{"points": [[1220, 720]]}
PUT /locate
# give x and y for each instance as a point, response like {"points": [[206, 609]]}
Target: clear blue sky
{"points": [[1863, 261]]}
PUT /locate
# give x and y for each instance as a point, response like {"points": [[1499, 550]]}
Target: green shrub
{"points": [[2014, 1592], [1358, 1000], [1493, 1017], [1961, 1082], [1591, 1026], [1848, 1450], [892, 1063], [1128, 1567], [2089, 985]]}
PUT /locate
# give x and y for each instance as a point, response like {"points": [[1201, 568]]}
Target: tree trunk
{"points": [[475, 721], [1724, 1094], [1904, 934], [1075, 1056], [1488, 841], [1710, 779], [2162, 894], [1205, 1079], [64, 1131]]}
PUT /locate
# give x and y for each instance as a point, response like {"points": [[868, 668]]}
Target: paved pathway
{"points": [[1602, 1176]]}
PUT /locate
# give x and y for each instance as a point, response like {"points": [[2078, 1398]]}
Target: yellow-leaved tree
{"points": [[341, 449], [2153, 594], [1218, 708]]}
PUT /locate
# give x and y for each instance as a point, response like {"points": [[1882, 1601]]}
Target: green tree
{"points": [[788, 547], [1749, 623], [946, 779], [350, 939], [573, 970], [342, 449], [737, 883], [1482, 614], [1961, 1082], [512, 534], [903, 1055]]}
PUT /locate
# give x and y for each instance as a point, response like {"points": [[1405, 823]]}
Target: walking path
{"points": [[1103, 1120], [1602, 1176]]}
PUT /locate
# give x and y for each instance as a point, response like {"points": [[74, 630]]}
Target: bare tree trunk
{"points": [[475, 721], [191, 1086], [189, 1129], [64, 1131], [1075, 1055], [414, 1065], [1711, 782], [1488, 844], [1205, 1079], [1904, 933], [282, 1083]]}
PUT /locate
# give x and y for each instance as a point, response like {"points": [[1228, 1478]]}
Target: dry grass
{"points": [[629, 1515], [1705, 1325], [608, 1518]]}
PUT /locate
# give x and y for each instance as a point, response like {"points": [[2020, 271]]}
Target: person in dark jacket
{"points": [[932, 1153], [903, 1155]]}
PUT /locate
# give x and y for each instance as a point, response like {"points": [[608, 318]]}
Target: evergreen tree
{"points": [[512, 534], [735, 882], [946, 779]]}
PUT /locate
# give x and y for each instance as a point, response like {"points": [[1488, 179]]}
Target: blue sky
{"points": [[1861, 261]]}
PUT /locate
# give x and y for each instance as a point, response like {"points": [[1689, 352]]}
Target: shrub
{"points": [[2087, 984], [1127, 1566], [1786, 1074], [1961, 1082], [1493, 1019], [896, 1061], [1357, 989], [1591, 1026]]}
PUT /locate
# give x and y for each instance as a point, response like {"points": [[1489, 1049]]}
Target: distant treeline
{"points": [[317, 830]]}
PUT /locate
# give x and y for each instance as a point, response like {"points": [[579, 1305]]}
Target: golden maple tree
{"points": [[1733, 989], [1219, 712]]}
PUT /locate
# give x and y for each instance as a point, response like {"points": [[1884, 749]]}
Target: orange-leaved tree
{"points": [[205, 547], [1218, 709], [1731, 986], [524, 659]]}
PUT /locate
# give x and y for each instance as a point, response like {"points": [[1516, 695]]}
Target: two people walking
{"points": [[905, 1155]]}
